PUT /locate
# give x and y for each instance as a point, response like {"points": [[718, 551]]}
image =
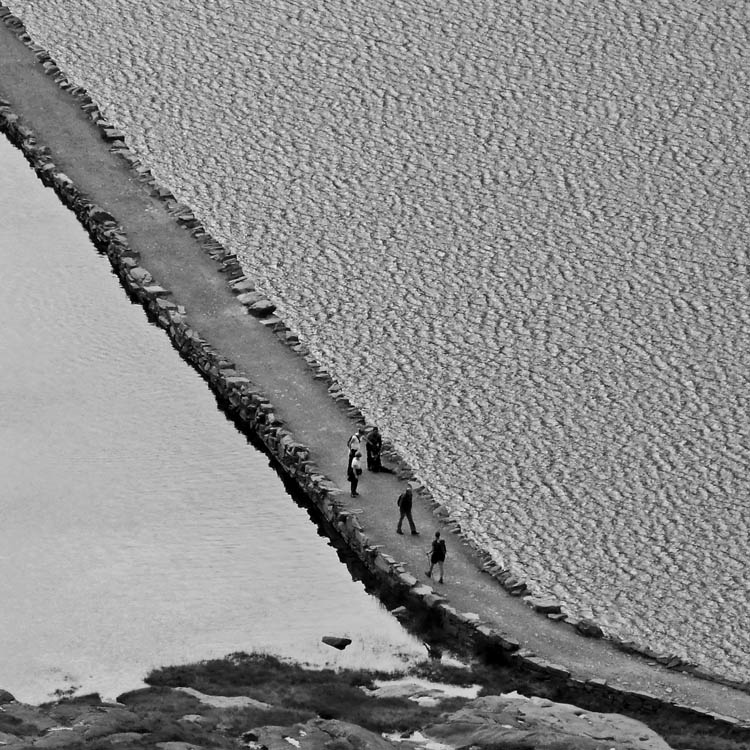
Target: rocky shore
{"points": [[261, 703]]}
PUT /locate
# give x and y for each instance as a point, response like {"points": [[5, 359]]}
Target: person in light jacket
{"points": [[353, 472], [353, 444]]}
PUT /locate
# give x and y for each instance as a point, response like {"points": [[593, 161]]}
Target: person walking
{"points": [[354, 471], [353, 444], [404, 507], [437, 556], [374, 444]]}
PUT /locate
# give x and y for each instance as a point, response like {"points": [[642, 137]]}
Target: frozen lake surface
{"points": [[517, 234]]}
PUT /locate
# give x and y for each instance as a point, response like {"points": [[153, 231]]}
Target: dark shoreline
{"points": [[250, 406]]}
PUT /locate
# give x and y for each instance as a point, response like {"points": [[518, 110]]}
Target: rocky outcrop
{"points": [[513, 720], [183, 719], [494, 722], [317, 734]]}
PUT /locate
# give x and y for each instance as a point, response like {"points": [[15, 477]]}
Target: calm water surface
{"points": [[138, 527]]}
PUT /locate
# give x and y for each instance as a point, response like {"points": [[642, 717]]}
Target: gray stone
{"points": [[407, 579], [262, 308], [242, 286], [5, 697], [140, 275], [545, 605], [225, 701], [249, 298], [154, 290], [589, 628]]}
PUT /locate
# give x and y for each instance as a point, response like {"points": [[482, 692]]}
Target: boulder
{"points": [[319, 734], [60, 737], [589, 628], [262, 308], [498, 720], [249, 298], [336, 642], [225, 701], [545, 605], [5, 697]]}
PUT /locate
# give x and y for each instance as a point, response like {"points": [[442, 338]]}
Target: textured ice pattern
{"points": [[516, 231]]}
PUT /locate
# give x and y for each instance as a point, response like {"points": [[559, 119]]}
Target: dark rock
{"points": [[589, 628], [5, 697], [544, 605], [336, 642], [262, 308]]}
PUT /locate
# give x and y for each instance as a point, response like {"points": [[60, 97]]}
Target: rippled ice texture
{"points": [[516, 231]]}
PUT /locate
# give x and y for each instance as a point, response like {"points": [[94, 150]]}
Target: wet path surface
{"points": [[138, 528]]}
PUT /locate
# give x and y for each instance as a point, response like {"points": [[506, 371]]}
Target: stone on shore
{"points": [[545, 605], [336, 642], [262, 308], [589, 628]]}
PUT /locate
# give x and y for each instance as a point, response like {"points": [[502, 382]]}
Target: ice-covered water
{"points": [[515, 231]]}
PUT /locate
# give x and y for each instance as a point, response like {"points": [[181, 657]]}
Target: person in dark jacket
{"points": [[374, 444], [404, 507], [437, 556]]}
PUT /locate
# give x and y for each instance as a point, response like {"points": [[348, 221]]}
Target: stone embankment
{"points": [[484, 630]]}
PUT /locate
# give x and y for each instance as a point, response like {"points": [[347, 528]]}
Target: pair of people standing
{"points": [[373, 445]]}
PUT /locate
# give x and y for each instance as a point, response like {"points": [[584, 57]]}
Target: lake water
{"points": [[515, 231], [139, 528]]}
